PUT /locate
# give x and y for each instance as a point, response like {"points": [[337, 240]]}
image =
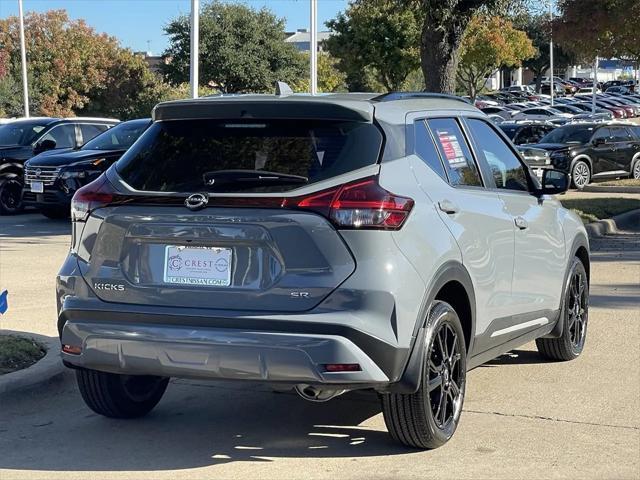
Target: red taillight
{"points": [[342, 367], [98, 193], [362, 204], [72, 350]]}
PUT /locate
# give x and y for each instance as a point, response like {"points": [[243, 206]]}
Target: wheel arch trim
{"points": [[450, 271], [580, 241]]}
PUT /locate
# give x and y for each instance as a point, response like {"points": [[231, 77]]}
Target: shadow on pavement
{"points": [[615, 296], [32, 225], [516, 357], [195, 425]]}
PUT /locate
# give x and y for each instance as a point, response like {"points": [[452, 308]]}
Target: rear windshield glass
{"points": [[194, 155]]}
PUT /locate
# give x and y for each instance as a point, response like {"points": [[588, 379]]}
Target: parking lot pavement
{"points": [[523, 418]]}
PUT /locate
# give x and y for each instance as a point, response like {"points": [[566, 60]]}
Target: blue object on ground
{"points": [[3, 302]]}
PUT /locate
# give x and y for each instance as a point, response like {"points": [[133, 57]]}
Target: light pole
{"points": [[23, 55], [552, 83], [195, 41], [595, 86], [313, 45]]}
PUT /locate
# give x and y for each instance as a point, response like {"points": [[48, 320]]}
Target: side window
{"points": [[455, 152], [426, 150], [508, 171], [63, 135], [602, 133], [619, 134], [90, 131]]}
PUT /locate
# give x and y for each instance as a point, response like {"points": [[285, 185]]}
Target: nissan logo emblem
{"points": [[38, 172], [197, 201]]}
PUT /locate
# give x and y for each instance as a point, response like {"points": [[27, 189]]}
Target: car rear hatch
{"points": [[230, 213]]}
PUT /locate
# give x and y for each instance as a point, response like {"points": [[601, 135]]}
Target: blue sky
{"points": [[135, 22]]}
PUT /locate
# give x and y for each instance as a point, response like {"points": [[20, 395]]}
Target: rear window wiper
{"points": [[251, 177]]}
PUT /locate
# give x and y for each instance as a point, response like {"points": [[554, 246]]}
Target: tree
{"points": [[599, 28], [442, 30], [330, 79], [538, 28], [490, 43], [72, 69], [241, 49], [378, 39]]}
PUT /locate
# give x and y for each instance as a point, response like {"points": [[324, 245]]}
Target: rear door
{"points": [[233, 248], [473, 214], [539, 263], [626, 148], [603, 151]]}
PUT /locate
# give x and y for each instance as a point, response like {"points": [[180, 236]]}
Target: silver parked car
{"points": [[327, 243]]}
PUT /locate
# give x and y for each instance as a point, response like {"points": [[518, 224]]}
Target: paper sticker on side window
{"points": [[451, 147]]}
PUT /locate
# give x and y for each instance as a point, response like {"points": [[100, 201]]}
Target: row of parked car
{"points": [[530, 106], [44, 161]]}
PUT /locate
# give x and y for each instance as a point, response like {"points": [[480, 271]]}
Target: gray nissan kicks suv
{"points": [[323, 243]]}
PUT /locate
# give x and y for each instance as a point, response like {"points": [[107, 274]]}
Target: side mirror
{"points": [[598, 142], [44, 145], [554, 182]]}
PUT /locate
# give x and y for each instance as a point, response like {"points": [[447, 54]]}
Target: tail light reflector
{"points": [[98, 193], [362, 204]]}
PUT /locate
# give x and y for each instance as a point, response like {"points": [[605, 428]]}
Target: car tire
{"points": [[10, 194], [574, 315], [120, 396], [56, 213], [420, 419], [635, 169], [580, 175]]}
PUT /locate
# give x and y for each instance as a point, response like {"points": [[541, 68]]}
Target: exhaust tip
{"points": [[315, 394]]}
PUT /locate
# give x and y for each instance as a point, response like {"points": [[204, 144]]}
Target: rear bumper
{"points": [[215, 353]]}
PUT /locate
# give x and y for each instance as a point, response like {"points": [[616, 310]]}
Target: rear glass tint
{"points": [[184, 155]]}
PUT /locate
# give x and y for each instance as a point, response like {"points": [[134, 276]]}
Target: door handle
{"points": [[521, 223], [447, 206]]}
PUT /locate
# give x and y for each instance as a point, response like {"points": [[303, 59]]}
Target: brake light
{"points": [[96, 194], [362, 204]]}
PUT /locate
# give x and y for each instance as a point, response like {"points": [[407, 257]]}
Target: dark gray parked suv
{"points": [[329, 243]]}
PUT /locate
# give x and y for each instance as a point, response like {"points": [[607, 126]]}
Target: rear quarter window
{"points": [[176, 156]]}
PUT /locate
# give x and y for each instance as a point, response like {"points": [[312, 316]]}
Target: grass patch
{"points": [[623, 182], [17, 353], [593, 209]]}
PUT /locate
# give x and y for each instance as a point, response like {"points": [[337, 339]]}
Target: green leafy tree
{"points": [[377, 43], [599, 28], [488, 44], [241, 49], [538, 29], [330, 78], [442, 30], [73, 70]]}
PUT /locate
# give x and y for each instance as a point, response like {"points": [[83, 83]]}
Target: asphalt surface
{"points": [[523, 417]]}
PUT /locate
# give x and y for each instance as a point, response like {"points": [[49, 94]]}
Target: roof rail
{"points": [[391, 96]]}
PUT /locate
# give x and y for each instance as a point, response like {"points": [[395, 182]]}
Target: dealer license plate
{"points": [[199, 266]]}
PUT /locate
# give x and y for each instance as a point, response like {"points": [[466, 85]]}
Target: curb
{"points": [[613, 225], [45, 369], [610, 189]]}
